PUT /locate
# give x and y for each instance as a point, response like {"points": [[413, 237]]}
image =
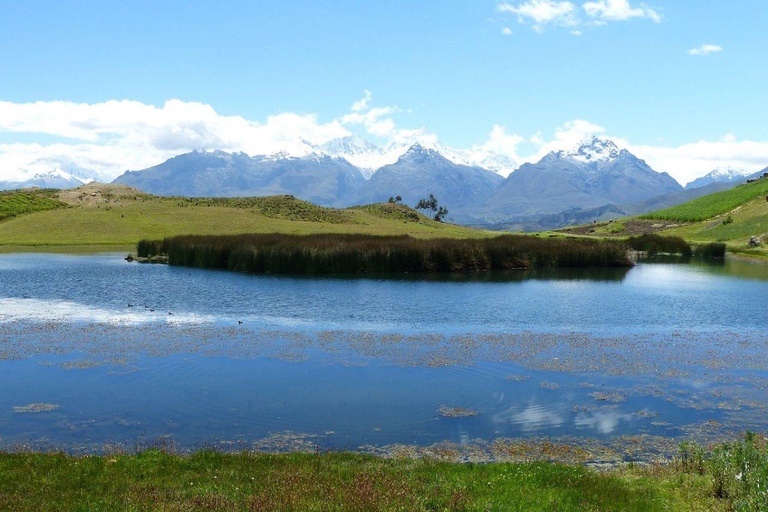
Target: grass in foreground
{"points": [[210, 481], [322, 254]]}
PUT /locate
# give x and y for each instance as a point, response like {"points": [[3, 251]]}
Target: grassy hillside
{"points": [[119, 216], [731, 217], [712, 205]]}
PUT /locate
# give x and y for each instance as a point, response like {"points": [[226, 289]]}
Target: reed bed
{"points": [[346, 254], [657, 244]]}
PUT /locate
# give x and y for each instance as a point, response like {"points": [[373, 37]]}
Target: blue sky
{"points": [[447, 66]]}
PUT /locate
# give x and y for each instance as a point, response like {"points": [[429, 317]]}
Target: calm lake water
{"points": [[97, 350]]}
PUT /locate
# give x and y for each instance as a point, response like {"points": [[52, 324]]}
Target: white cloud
{"points": [[577, 32], [379, 122], [363, 103], [566, 14], [618, 10], [705, 49], [113, 136], [506, 31], [542, 12], [689, 161]]}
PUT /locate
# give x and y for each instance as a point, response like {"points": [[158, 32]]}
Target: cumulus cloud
{"points": [[363, 103], [689, 161], [567, 14], [380, 122], [618, 10], [705, 49], [116, 135], [506, 31], [542, 12]]}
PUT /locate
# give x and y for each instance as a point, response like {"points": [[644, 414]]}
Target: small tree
{"points": [[430, 204], [395, 199]]}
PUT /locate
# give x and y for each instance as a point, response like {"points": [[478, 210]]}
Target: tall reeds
{"points": [[338, 253]]}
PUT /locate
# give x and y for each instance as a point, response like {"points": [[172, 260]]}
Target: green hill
{"points": [[120, 216], [731, 216], [711, 206]]}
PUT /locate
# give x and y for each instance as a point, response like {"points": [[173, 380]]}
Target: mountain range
{"points": [[594, 180]]}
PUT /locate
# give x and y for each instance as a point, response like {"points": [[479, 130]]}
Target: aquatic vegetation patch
{"points": [[322, 254], [457, 412], [35, 408]]}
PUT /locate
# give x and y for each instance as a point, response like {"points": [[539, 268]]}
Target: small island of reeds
{"points": [[349, 254]]}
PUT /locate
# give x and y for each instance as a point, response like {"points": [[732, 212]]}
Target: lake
{"points": [[623, 363]]}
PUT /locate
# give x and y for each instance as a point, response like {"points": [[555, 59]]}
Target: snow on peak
{"points": [[351, 145], [591, 149], [60, 174], [365, 155], [728, 172]]}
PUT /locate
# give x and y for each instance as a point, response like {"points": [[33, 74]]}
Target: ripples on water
{"points": [[130, 352]]}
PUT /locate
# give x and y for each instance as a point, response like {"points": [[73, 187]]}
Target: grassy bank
{"points": [[318, 254], [209, 481], [726, 477], [104, 215]]}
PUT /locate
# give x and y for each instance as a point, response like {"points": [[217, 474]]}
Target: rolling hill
{"points": [[120, 216]]}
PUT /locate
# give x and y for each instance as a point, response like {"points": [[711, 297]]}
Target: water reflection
{"points": [[352, 361], [604, 422]]}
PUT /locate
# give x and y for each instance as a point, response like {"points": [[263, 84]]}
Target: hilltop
{"points": [[120, 216]]}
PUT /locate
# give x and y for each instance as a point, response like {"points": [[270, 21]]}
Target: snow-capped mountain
{"points": [[315, 177], [592, 150], [369, 157], [361, 153], [421, 171], [56, 178], [594, 173], [723, 174]]}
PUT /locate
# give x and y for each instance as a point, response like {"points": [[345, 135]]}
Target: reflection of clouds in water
{"points": [[62, 311], [605, 422], [41, 310], [533, 417]]}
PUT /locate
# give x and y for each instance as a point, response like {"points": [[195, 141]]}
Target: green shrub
{"points": [[19, 202]]}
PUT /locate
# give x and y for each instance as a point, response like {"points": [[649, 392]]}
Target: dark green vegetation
{"points": [[209, 481], [712, 205], [14, 203], [319, 254], [656, 244]]}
